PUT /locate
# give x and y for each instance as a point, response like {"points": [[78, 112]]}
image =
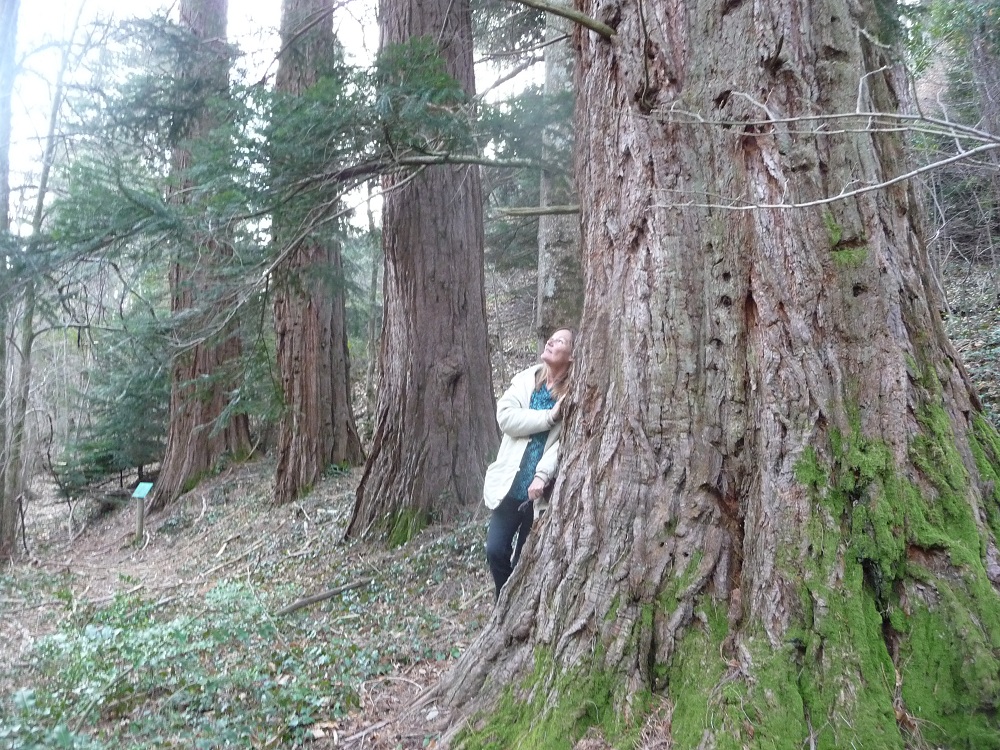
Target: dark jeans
{"points": [[505, 522]]}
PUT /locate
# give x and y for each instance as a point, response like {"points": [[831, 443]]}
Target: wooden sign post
{"points": [[141, 490]]}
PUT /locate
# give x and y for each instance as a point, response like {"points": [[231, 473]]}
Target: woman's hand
{"points": [[536, 488], [555, 413]]}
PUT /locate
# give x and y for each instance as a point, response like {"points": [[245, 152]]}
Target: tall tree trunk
{"points": [[317, 426], [17, 468], [560, 276], [434, 430], [371, 340], [8, 38], [775, 523], [203, 372]]}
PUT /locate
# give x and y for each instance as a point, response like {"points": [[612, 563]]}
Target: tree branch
{"points": [[575, 16], [539, 211], [323, 596]]}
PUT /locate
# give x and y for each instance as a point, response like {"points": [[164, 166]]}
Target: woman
{"points": [[529, 414]]}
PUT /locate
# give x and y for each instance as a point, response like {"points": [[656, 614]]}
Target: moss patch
{"points": [[985, 445], [850, 257], [556, 716], [949, 635], [404, 525], [703, 697]]}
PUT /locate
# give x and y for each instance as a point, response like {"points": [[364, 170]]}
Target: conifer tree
{"points": [[434, 423], [317, 424], [206, 365], [8, 36]]}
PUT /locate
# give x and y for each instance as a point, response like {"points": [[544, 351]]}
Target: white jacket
{"points": [[519, 422]]}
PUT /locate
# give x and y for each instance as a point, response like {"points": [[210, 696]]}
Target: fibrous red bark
{"points": [[776, 513], [434, 424], [205, 370], [317, 426]]}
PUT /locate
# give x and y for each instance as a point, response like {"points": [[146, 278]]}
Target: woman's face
{"points": [[558, 351]]}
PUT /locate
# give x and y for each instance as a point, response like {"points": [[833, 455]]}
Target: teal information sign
{"points": [[142, 489]]}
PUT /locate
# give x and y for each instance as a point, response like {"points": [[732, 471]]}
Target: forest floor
{"points": [[181, 640]]}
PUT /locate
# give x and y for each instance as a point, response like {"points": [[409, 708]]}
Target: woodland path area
{"points": [[345, 671], [414, 607]]}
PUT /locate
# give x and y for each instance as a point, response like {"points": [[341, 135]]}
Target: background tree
{"points": [[8, 38], [19, 465], [317, 425], [777, 514], [434, 430], [203, 375], [560, 280]]}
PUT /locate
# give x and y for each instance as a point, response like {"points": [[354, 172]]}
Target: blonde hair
{"points": [[563, 383]]}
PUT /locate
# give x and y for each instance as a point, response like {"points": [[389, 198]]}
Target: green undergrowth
{"points": [[213, 666], [948, 628], [556, 716], [130, 675]]}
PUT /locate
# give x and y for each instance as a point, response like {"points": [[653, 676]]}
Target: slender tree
{"points": [[17, 466], [434, 430], [200, 432], [8, 37], [560, 278], [777, 515], [317, 426]]}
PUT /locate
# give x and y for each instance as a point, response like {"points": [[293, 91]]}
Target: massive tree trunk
{"points": [[775, 523], [317, 427], [434, 426], [560, 278], [205, 369]]}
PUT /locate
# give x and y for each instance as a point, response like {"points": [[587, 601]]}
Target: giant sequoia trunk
{"points": [[317, 427], [434, 423], [776, 515], [205, 370]]}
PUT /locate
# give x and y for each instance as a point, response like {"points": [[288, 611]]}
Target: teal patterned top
{"points": [[540, 399]]}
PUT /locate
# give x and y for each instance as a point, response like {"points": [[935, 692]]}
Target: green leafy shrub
{"points": [[132, 676]]}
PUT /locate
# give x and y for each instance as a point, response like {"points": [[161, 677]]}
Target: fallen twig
{"points": [[323, 596], [204, 507], [252, 548], [365, 732]]}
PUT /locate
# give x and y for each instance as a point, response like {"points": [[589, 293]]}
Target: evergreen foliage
{"points": [[511, 129], [507, 33], [270, 160], [125, 407]]}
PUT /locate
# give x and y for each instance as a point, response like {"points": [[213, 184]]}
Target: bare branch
{"points": [[845, 194], [575, 16], [539, 211]]}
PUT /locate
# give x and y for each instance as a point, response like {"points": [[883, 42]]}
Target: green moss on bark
{"points": [[945, 622], [404, 525], [696, 679], [985, 444], [556, 717], [844, 673]]}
